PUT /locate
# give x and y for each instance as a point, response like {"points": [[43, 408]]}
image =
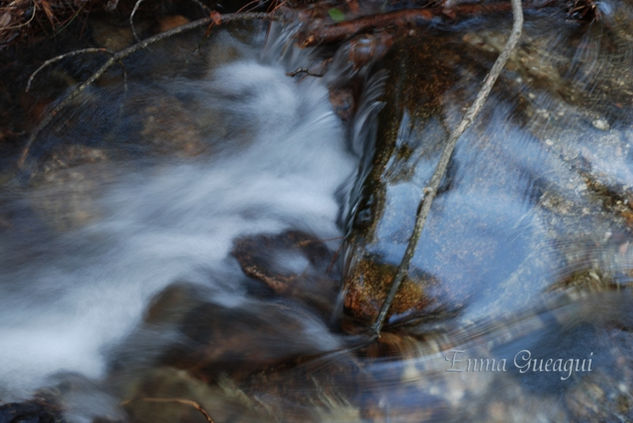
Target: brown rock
{"points": [[292, 263], [367, 285], [170, 22]]}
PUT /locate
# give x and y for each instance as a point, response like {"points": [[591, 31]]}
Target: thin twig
{"points": [[203, 6], [136, 6], [183, 401], [278, 5], [122, 54], [248, 5], [63, 56], [68, 21], [431, 190]]}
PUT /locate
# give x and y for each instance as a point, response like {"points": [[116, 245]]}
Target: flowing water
{"points": [[125, 249], [69, 295]]}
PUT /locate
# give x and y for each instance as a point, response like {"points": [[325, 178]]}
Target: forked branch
{"points": [[122, 54]]}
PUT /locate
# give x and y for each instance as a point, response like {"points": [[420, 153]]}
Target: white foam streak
{"points": [[160, 226]]}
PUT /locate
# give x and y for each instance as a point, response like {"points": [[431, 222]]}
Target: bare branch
{"points": [[202, 6], [122, 54], [136, 6], [430, 191], [63, 56]]}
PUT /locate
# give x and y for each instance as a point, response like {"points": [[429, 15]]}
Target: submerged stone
{"points": [[518, 207], [294, 264], [33, 411]]}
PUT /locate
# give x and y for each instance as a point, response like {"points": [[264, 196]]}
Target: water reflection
{"points": [[207, 270]]}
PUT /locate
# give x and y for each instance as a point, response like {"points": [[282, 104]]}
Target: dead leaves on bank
{"points": [[19, 17]]}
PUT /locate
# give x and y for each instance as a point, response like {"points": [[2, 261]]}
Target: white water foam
{"points": [[84, 291]]}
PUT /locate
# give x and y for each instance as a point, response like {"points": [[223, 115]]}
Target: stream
{"points": [[212, 231]]}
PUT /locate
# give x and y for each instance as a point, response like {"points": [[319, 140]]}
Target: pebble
{"points": [[601, 124]]}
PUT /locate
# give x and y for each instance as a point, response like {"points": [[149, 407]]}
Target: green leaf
{"points": [[336, 14]]}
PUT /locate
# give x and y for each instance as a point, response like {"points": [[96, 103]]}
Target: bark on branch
{"points": [[430, 191], [122, 54]]}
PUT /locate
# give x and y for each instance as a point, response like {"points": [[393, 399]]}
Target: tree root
{"points": [[430, 191], [122, 54]]}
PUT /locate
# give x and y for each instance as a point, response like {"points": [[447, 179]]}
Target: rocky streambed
{"points": [[212, 241]]}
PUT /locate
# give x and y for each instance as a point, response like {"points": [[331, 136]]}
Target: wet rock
{"points": [[29, 412], [224, 401], [91, 142], [67, 199], [172, 304], [113, 37], [255, 361], [343, 102], [368, 284], [399, 375], [184, 328], [467, 244], [238, 342], [170, 22], [604, 395], [67, 180], [170, 127], [314, 389], [67, 185], [293, 263]]}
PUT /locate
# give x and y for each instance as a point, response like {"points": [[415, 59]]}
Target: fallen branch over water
{"points": [[122, 54], [310, 35], [63, 56], [430, 191]]}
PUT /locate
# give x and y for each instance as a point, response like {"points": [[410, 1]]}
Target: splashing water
{"points": [[85, 289], [119, 278]]}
